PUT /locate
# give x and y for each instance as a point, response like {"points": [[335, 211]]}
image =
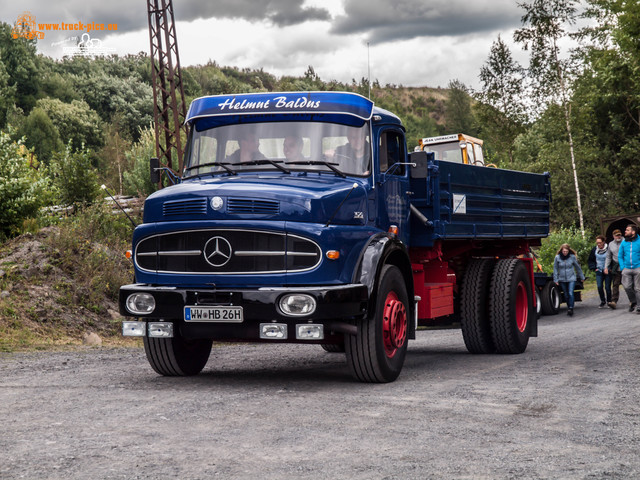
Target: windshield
{"points": [[304, 146], [449, 151]]}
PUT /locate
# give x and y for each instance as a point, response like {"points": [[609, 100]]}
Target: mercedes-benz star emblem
{"points": [[217, 251]]}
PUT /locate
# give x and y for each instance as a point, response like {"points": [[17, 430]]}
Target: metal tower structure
{"points": [[169, 108]]}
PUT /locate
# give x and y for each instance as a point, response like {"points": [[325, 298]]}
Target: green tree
{"points": [[76, 122], [23, 189], [113, 160], [137, 180], [501, 112], [7, 95], [75, 177], [128, 97], [458, 108], [21, 64], [545, 23], [41, 135], [609, 89], [544, 148]]}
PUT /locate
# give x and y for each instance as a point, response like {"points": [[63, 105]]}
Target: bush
{"points": [[23, 189], [550, 246], [90, 246], [137, 180], [75, 177]]}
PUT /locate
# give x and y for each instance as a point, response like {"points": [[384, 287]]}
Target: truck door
{"points": [[393, 182]]}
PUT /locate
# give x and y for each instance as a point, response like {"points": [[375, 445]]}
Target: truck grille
{"points": [[197, 206], [226, 252], [251, 206]]}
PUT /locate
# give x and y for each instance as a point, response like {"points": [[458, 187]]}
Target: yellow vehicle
{"points": [[458, 148]]}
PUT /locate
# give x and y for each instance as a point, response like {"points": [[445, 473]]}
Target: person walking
{"points": [[612, 268], [629, 260], [566, 270], [596, 262]]}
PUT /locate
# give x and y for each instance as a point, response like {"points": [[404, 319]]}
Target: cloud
{"points": [[383, 20], [133, 16]]}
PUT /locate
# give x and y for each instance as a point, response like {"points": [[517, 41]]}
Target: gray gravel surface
{"points": [[566, 408]]}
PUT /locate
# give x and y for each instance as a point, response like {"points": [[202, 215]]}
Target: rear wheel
{"points": [[511, 308], [376, 353], [177, 356], [474, 307], [550, 299]]}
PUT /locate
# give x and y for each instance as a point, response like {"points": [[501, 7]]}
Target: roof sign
{"points": [[308, 103]]}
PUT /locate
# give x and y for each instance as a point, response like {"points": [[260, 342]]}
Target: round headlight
{"points": [[217, 203], [297, 304], [141, 303]]}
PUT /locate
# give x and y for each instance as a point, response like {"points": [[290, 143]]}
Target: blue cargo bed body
{"points": [[475, 202]]}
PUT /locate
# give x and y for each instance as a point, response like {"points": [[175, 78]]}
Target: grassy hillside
{"points": [[59, 286]]}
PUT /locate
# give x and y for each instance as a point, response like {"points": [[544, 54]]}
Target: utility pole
{"points": [[369, 70], [169, 108]]}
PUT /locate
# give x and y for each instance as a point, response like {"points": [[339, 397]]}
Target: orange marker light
{"points": [[127, 254], [393, 229], [333, 255]]}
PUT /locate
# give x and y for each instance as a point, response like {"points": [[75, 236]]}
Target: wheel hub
{"points": [[394, 324], [522, 307]]}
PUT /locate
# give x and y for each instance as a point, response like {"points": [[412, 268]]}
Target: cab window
{"points": [[391, 151]]}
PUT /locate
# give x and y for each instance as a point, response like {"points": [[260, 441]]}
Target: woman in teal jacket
{"points": [[565, 268]]}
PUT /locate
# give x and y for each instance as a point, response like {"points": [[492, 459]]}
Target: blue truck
{"points": [[303, 218]]}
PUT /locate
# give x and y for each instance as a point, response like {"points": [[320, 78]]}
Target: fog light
{"points": [[134, 329], [273, 331], [161, 329], [297, 304], [309, 331], [141, 303]]}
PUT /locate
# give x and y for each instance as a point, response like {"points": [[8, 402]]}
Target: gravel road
{"points": [[567, 408]]}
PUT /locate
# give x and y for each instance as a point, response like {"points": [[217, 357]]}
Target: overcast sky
{"points": [[411, 42]]}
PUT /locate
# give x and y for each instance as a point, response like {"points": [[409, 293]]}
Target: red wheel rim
{"points": [[394, 324], [522, 306]]}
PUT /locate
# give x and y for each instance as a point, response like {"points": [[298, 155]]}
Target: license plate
{"points": [[213, 314]]}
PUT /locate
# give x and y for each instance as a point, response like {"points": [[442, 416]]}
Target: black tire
{"points": [[538, 303], [333, 347], [474, 307], [177, 356], [511, 309], [376, 353], [551, 298]]}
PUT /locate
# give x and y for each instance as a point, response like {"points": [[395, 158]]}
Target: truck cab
{"points": [[458, 148]]}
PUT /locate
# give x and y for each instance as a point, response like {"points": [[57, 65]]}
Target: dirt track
{"points": [[567, 408]]}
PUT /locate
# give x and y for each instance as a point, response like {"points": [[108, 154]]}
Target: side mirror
{"points": [[154, 165]]}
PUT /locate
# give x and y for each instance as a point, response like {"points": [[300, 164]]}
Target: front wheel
{"points": [[177, 356], [376, 353]]}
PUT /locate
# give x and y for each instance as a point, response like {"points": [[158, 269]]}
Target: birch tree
{"points": [[545, 23]]}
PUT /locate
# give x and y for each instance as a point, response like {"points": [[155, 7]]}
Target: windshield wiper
{"points": [[320, 162], [213, 164], [264, 162]]}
